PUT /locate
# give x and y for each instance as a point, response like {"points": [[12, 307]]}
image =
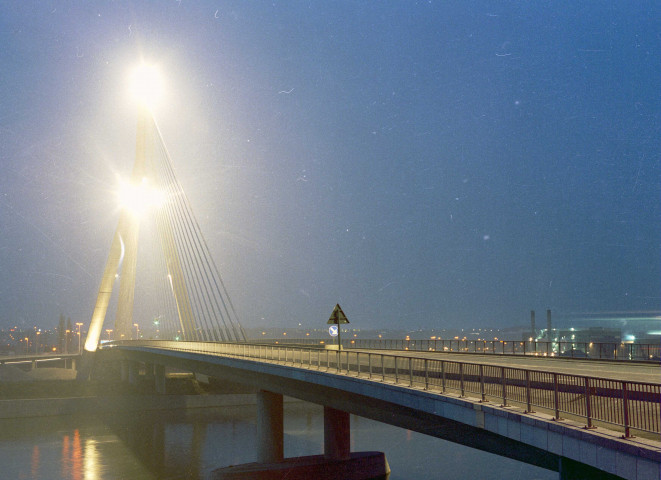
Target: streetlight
{"points": [[27, 345], [78, 324], [109, 331], [137, 331], [36, 343]]}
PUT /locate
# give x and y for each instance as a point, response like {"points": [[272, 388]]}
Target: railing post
{"points": [[504, 382], [396, 372], [588, 403], [556, 399], [482, 393], [383, 368], [410, 371], [528, 394], [369, 363], [461, 379], [443, 376], [426, 374], [625, 408]]}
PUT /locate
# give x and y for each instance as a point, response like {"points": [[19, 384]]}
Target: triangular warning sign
{"points": [[337, 316]]}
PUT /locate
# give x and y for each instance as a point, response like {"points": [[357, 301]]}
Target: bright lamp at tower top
{"points": [[146, 84]]}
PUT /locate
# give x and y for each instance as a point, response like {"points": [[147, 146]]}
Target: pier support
{"points": [[133, 372], [159, 378], [270, 427], [124, 370], [336, 462], [337, 434]]}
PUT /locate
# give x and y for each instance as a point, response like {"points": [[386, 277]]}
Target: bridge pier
{"points": [[124, 370], [132, 372], [337, 434], [336, 462], [159, 378], [154, 374], [270, 427]]}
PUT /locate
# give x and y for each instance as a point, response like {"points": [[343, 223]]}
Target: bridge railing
{"points": [[650, 352], [629, 405]]}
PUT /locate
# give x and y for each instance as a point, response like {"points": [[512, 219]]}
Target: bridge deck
{"points": [[442, 398], [629, 371]]}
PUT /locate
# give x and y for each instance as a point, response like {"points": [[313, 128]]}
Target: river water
{"points": [[190, 444]]}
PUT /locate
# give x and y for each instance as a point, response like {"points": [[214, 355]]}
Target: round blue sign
{"points": [[332, 330]]}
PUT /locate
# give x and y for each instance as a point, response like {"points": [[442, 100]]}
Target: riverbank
{"points": [[45, 407], [52, 391]]}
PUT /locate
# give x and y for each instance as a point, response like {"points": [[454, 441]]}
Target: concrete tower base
{"points": [[359, 466]]}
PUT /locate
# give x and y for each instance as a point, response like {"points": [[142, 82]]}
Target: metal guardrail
{"points": [[39, 358], [650, 352], [631, 405]]}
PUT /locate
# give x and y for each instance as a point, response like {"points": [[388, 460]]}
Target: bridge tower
{"points": [[153, 190]]}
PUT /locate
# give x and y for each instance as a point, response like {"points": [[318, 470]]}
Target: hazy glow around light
{"points": [[138, 198], [146, 84]]}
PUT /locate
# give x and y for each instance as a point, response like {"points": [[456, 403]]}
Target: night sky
{"points": [[425, 164]]}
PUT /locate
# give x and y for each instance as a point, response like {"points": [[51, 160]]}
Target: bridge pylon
{"points": [[199, 308]]}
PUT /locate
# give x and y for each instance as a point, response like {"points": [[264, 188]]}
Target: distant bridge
{"points": [[616, 351]]}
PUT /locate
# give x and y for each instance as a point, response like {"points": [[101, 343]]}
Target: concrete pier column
{"points": [[159, 378], [133, 373], [270, 427], [124, 370], [149, 372], [337, 434]]}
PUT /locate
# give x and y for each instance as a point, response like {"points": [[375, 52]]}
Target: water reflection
{"points": [[179, 444]]}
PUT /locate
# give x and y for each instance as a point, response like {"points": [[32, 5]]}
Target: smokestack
{"points": [[548, 324], [532, 324]]}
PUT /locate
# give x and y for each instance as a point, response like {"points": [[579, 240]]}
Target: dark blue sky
{"points": [[424, 164]]}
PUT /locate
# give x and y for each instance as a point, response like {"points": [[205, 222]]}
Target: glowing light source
{"points": [[138, 198], [146, 84]]}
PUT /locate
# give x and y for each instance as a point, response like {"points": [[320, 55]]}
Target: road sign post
{"points": [[337, 318]]}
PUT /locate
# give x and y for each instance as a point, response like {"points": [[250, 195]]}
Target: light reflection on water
{"points": [[178, 444]]}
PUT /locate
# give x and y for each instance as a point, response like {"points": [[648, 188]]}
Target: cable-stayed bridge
{"points": [[158, 254]]}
